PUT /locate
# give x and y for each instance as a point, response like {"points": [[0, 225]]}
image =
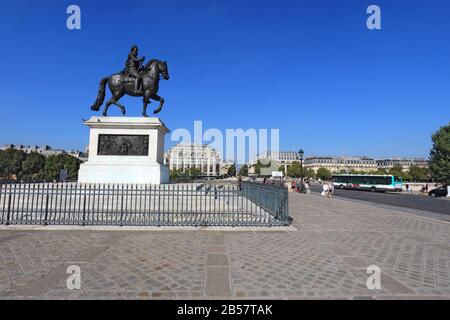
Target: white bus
{"points": [[373, 183]]}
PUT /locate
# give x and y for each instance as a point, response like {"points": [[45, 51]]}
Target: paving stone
{"points": [[325, 257], [217, 282], [217, 260], [216, 249]]}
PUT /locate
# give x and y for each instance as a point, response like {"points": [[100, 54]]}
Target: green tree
{"points": [[258, 167], [54, 164], [397, 170], [33, 166], [175, 174], [294, 170], [308, 173], [194, 172], [323, 173], [11, 163], [243, 171], [180, 174], [381, 171], [440, 155], [232, 170], [418, 174]]}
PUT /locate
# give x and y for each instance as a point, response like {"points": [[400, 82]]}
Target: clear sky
{"points": [[308, 67]]}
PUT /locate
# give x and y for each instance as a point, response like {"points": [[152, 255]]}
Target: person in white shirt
{"points": [[331, 189], [325, 189], [307, 190]]}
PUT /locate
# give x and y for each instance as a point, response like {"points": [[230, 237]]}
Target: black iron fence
{"points": [[194, 204]]}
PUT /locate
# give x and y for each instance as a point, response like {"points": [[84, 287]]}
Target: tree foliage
{"points": [[243, 171], [323, 173], [185, 174], [232, 170], [260, 165], [440, 155], [418, 174], [33, 166], [11, 163], [16, 163], [54, 164]]}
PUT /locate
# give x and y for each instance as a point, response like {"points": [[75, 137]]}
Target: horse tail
{"points": [[101, 95]]}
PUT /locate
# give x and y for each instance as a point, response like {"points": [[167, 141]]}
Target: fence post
{"points": [[46, 207], [84, 207], [121, 207], [9, 209], [159, 204]]}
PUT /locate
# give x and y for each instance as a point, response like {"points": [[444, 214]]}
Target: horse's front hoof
{"points": [[145, 115], [156, 111], [104, 114], [124, 112]]}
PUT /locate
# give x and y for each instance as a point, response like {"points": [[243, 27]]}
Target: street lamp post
{"points": [[300, 154]]}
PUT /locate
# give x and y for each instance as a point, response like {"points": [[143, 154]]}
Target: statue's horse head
{"points": [[155, 68]]}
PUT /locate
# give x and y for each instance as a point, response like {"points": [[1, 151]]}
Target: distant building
{"points": [[404, 163], [282, 157], [45, 150], [201, 156], [340, 164], [224, 167], [276, 159], [337, 164]]}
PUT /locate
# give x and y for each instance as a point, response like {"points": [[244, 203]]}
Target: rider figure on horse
{"points": [[132, 66]]}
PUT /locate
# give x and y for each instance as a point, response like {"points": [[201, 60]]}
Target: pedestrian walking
{"points": [[331, 189], [297, 185], [325, 190], [307, 190]]}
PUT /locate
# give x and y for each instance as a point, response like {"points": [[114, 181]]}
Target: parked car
{"points": [[438, 192]]}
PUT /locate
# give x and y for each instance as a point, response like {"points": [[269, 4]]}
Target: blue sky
{"points": [[310, 68]]}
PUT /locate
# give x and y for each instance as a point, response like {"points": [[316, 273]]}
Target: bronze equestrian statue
{"points": [[134, 81]]}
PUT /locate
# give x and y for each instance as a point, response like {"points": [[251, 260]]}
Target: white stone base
{"points": [[123, 173], [125, 168]]}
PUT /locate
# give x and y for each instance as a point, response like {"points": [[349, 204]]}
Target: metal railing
{"points": [[194, 204]]}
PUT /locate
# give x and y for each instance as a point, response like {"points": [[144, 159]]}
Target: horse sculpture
{"points": [[120, 84]]}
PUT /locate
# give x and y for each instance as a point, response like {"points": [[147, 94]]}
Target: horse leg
{"points": [[161, 103], [105, 109], [121, 106], [114, 100], [146, 102]]}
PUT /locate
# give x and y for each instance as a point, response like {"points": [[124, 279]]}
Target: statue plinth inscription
{"points": [[125, 150], [122, 145]]}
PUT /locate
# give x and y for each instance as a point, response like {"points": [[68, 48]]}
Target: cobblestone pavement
{"points": [[324, 255]]}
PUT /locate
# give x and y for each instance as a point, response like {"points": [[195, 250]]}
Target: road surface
{"points": [[416, 202]]}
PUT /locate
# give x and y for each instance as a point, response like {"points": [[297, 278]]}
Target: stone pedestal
{"points": [[125, 150]]}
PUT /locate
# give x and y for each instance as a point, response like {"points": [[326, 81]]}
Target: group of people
{"points": [[298, 185], [327, 189], [424, 189]]}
